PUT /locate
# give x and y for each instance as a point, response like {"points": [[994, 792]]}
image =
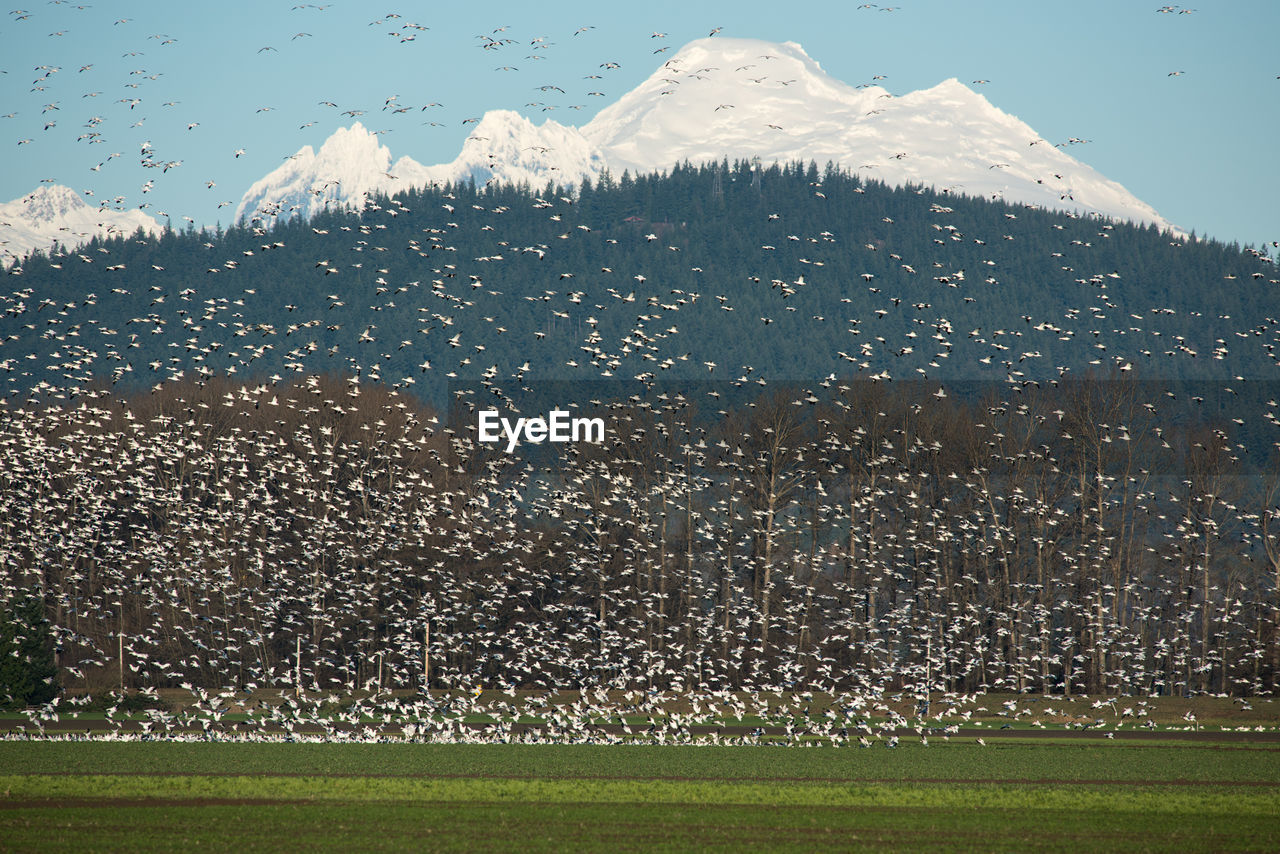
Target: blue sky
{"points": [[199, 81]]}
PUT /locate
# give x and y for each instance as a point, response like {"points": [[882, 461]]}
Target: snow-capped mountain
{"points": [[56, 214], [738, 99], [508, 148], [352, 165], [743, 98]]}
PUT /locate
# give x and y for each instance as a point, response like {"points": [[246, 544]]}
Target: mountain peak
{"points": [[745, 98], [727, 97], [351, 165], [951, 85], [355, 141], [728, 49], [507, 147], [48, 202], [53, 213], [953, 92]]}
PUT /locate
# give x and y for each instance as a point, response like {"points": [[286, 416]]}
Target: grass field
{"points": [[1012, 795]]}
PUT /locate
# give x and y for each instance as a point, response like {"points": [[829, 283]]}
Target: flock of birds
{"points": [[327, 534], [594, 716]]}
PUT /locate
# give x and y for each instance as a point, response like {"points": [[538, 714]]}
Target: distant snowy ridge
{"points": [[728, 98], [508, 148], [352, 166], [56, 214]]}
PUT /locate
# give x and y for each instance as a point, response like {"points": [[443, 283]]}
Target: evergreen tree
{"points": [[27, 669]]}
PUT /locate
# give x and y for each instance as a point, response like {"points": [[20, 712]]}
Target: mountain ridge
{"points": [[716, 98], [742, 99]]}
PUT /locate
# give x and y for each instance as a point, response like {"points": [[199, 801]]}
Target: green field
{"points": [[1011, 795]]}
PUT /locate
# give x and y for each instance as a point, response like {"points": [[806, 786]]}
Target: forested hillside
{"points": [[881, 433], [790, 272]]}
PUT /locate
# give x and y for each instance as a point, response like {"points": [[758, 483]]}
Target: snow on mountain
{"points": [[350, 166], [508, 148], [743, 98], [738, 99], [56, 214]]}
